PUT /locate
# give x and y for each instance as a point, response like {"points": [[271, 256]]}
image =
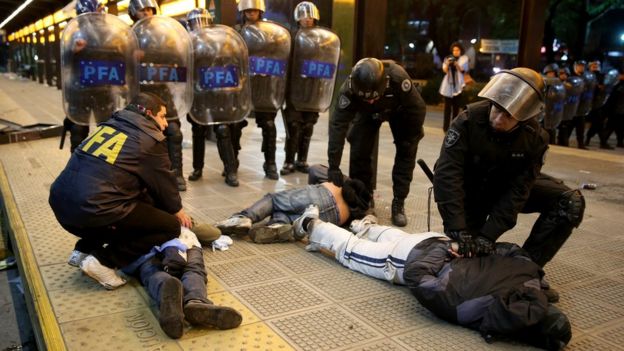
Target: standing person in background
{"points": [[454, 67]]}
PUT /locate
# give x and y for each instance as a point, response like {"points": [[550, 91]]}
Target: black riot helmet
{"points": [[368, 80], [553, 67], [198, 18]]}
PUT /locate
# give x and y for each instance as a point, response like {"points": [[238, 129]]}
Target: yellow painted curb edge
{"points": [[45, 325]]}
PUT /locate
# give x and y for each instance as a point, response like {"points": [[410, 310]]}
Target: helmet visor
{"points": [[514, 95]]}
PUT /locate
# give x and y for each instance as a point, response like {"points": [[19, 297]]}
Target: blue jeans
{"points": [[286, 206], [193, 278]]}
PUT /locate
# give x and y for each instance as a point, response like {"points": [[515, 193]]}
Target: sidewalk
{"points": [[289, 298]]}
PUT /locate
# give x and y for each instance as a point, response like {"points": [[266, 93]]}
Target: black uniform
{"points": [[402, 106], [118, 189], [497, 295], [483, 179]]}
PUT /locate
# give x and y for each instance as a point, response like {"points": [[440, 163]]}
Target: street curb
{"points": [[45, 326]]}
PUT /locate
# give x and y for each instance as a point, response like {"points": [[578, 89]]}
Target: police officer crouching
{"points": [[118, 193], [377, 91], [489, 171]]}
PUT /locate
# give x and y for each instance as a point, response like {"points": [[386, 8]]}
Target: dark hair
{"points": [[459, 45], [144, 102], [357, 196]]}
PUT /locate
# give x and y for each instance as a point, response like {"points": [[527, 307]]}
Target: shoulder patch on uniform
{"points": [[452, 136], [406, 85], [343, 102]]}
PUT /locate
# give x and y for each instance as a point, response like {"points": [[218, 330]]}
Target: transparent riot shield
{"points": [[269, 51], [316, 53], [98, 67], [587, 97], [165, 65], [605, 87], [574, 87], [555, 99], [221, 87]]}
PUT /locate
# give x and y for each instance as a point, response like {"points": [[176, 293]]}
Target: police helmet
{"points": [[553, 67], [519, 91], [594, 66], [580, 63], [564, 70], [368, 79], [198, 18], [137, 5], [251, 5], [306, 9], [84, 6]]}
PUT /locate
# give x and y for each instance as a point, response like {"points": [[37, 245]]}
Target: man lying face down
{"points": [[498, 295]]}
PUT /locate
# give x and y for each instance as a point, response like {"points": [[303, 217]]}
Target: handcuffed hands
{"points": [[465, 241]]}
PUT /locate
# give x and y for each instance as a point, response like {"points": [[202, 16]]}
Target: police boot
{"points": [[195, 175], [398, 213], [227, 155], [304, 145], [268, 143], [174, 146], [290, 148]]}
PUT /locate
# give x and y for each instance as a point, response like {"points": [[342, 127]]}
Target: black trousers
{"points": [[129, 238], [450, 103]]}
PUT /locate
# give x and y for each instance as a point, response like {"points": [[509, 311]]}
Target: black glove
{"points": [[466, 243], [335, 176], [483, 245]]}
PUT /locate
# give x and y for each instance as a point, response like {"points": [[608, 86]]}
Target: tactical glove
{"points": [[483, 245], [335, 176], [464, 240]]}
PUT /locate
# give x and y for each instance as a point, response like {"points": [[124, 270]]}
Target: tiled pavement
{"points": [[292, 299]]}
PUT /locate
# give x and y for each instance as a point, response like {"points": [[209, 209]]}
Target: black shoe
{"points": [[195, 175], [171, 318], [302, 166], [582, 147], [398, 214], [231, 179], [551, 294], [606, 147], [208, 315], [181, 183], [287, 168], [270, 171]]}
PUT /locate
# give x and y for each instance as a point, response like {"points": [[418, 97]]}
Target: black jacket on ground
{"points": [[123, 162], [483, 178]]}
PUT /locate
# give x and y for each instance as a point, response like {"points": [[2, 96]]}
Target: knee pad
{"points": [[222, 131], [571, 205]]}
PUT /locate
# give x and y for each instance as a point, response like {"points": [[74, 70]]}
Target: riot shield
{"points": [[98, 67], [316, 53], [602, 93], [269, 50], [221, 88], [555, 99], [574, 87], [587, 97], [165, 62]]}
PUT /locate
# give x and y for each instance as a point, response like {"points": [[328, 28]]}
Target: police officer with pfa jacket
{"points": [[489, 171], [377, 91]]}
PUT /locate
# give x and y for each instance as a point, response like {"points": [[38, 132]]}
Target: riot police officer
{"points": [[220, 102], [489, 171], [578, 122], [81, 100], [269, 50], [138, 10], [605, 82], [310, 85], [555, 96], [377, 91]]}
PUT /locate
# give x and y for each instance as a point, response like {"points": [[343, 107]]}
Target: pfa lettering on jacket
{"points": [[267, 66], [98, 72], [317, 69], [105, 143], [218, 77], [151, 72]]}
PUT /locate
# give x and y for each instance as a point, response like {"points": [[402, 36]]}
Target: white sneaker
{"points": [[300, 232], [360, 225], [76, 257], [235, 225], [102, 274]]}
